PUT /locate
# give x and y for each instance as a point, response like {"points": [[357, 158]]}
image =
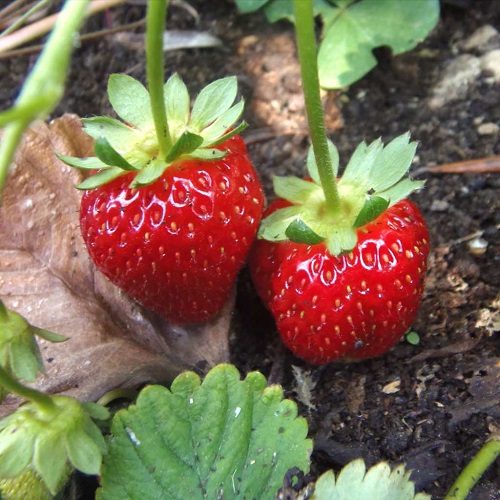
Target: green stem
{"points": [[306, 43], [44, 86], [3, 312], [37, 397], [473, 471], [155, 27]]}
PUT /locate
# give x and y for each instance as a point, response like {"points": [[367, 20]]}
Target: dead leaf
{"points": [[47, 276], [392, 387]]}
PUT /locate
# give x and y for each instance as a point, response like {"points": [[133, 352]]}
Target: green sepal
{"points": [[186, 144], [240, 128], [47, 335], [176, 105], [295, 190], [215, 99], [102, 177], [130, 100], [108, 155], [341, 240], [373, 207], [219, 128], [401, 190], [149, 174], [299, 232], [90, 163], [115, 131], [312, 167], [208, 154], [273, 227], [51, 440]]}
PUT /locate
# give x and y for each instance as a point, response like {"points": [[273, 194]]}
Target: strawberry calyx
{"points": [[132, 145], [375, 178]]}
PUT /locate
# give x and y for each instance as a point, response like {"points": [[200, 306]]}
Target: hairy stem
{"points": [[155, 27], [473, 471], [37, 397], [306, 43]]}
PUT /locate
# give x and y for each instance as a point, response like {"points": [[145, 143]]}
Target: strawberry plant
{"points": [[340, 262], [174, 207], [352, 29]]}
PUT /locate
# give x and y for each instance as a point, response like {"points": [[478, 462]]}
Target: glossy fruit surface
{"points": [[177, 244], [355, 305]]}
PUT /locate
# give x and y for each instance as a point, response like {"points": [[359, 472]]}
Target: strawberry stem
{"points": [[306, 43], [39, 398], [155, 21]]}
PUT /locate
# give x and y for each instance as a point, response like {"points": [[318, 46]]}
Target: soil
{"points": [[431, 405]]}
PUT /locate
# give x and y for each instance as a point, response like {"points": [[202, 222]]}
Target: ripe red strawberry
{"points": [[333, 296], [172, 232]]}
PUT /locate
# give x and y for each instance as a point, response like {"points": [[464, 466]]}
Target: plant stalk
{"points": [[155, 27], [36, 397], [473, 471], [306, 43]]}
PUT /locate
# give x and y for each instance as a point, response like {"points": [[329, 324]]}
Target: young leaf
{"points": [[130, 100], [223, 438], [212, 101], [356, 483]]}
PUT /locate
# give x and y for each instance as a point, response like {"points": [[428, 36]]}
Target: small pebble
{"points": [[488, 128], [478, 247]]}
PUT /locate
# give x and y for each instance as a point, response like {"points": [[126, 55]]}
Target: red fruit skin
{"points": [[177, 245], [353, 306]]}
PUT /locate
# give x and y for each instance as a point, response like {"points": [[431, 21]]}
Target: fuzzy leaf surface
{"points": [[223, 438], [354, 482], [48, 278]]}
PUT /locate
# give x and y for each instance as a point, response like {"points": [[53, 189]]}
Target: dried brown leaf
{"points": [[47, 276]]}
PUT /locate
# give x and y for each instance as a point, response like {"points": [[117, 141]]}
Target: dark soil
{"points": [[431, 405]]}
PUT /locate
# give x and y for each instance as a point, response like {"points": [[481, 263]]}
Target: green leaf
{"points": [[47, 335], [16, 449], [299, 232], [224, 438], [354, 482], [101, 178], [108, 155], [294, 189], [373, 207], [90, 163], [274, 226], [220, 126], [25, 359], [176, 105], [412, 338], [345, 54], [187, 143], [246, 6], [130, 100], [212, 102], [312, 166]]}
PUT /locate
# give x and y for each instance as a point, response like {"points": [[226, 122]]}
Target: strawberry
{"points": [[170, 228], [346, 283]]}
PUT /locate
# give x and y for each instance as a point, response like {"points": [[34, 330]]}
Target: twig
{"points": [[43, 26], [24, 17], [33, 49], [478, 166]]}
